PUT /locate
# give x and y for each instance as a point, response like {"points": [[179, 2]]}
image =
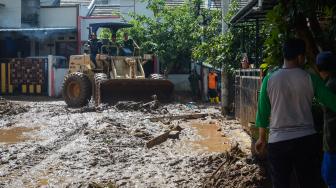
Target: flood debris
{"points": [[138, 106], [237, 170], [101, 185], [173, 133], [10, 108], [177, 117], [77, 147]]}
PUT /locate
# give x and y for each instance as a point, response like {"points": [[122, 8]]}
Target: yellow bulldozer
{"points": [[117, 77]]}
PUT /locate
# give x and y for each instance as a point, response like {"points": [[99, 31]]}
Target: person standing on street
{"points": [[194, 80], [284, 107], [212, 87], [326, 64]]}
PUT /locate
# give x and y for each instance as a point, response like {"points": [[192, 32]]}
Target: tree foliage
{"points": [[170, 34], [181, 34], [224, 49], [312, 20]]}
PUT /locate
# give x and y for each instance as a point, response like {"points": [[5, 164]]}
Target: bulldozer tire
{"points": [[98, 78], [76, 90]]}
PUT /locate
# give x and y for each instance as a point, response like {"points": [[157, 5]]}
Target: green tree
{"points": [[170, 34], [218, 49], [311, 20]]}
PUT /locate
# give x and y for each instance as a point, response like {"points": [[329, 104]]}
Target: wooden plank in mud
{"points": [[158, 140], [177, 117]]}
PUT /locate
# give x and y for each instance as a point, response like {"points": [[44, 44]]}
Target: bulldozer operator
{"points": [[114, 46], [94, 46], [129, 46], [110, 47]]}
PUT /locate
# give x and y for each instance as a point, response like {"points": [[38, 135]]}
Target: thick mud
{"points": [[9, 108], [46, 144], [237, 170]]}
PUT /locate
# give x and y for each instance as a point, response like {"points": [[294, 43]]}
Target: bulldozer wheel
{"points": [[98, 78], [76, 90]]}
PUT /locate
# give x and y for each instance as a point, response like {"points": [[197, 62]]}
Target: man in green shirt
{"points": [[284, 107], [326, 64]]}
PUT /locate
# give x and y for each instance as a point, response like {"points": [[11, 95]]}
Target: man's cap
{"points": [[325, 57], [326, 61]]}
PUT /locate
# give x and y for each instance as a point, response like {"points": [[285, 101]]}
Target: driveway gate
{"points": [[247, 85]]}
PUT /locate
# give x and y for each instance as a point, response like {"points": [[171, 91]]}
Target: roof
{"points": [[174, 3], [104, 10], [59, 29], [209, 66], [75, 2], [114, 26], [215, 4], [253, 9]]}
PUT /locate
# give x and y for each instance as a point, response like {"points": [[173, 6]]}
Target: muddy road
{"points": [[45, 144]]}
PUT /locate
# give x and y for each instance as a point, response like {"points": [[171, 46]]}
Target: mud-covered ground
{"points": [[45, 144]]}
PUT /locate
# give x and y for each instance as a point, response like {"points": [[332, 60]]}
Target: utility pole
{"points": [[224, 74], [134, 6]]}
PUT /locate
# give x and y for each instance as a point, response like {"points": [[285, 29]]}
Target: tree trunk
{"points": [[225, 92], [224, 74]]}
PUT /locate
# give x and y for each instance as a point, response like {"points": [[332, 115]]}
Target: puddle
{"points": [[212, 139], [14, 135]]}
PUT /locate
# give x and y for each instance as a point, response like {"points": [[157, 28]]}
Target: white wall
{"points": [[83, 10], [44, 47], [58, 17], [127, 6], [10, 15]]}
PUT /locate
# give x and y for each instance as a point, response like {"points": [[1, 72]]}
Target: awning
{"points": [[254, 9], [40, 29]]}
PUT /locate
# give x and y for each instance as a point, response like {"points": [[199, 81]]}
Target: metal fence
{"points": [[247, 85]]}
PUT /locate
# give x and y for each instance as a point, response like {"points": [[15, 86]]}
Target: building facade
{"points": [[30, 29]]}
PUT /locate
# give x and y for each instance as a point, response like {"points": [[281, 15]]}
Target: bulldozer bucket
{"points": [[114, 90]]}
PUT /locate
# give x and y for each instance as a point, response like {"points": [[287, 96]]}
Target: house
{"points": [[211, 4], [253, 12], [60, 27], [30, 29]]}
